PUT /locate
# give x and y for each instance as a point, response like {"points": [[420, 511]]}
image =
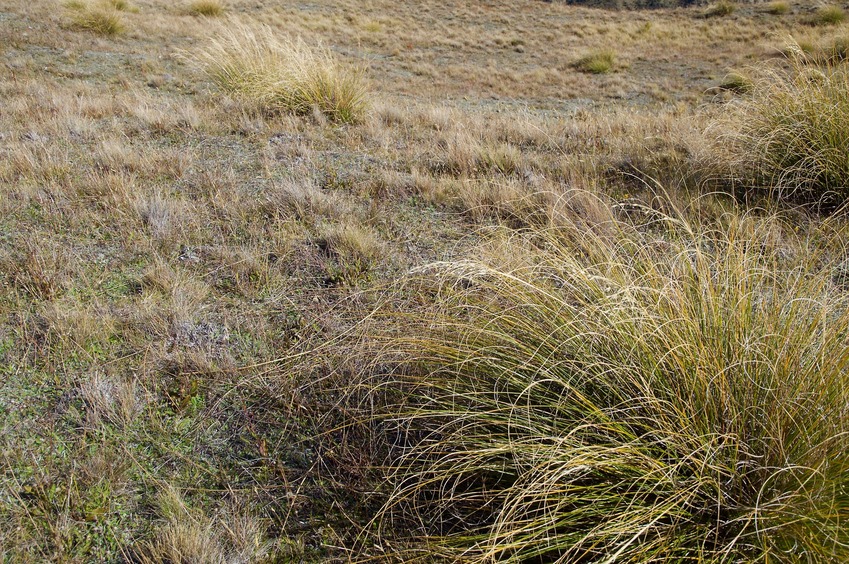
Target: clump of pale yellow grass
{"points": [[102, 20], [208, 8], [790, 135], [277, 73]]}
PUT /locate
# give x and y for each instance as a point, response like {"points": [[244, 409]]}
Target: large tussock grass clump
{"points": [[622, 397], [791, 135], [276, 73]]}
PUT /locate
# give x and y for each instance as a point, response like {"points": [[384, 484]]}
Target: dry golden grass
{"points": [[207, 7], [828, 15], [102, 20], [789, 136], [183, 267], [281, 74]]}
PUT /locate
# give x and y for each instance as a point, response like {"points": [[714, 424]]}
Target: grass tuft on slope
{"points": [[670, 393]]}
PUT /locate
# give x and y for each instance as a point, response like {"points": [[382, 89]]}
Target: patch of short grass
{"points": [[620, 396], [597, 62], [277, 73]]}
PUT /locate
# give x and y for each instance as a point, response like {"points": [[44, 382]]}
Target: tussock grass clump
{"points": [[839, 49], [210, 8], [828, 15], [122, 5], [619, 396], [102, 21], [778, 8], [791, 134], [597, 62], [279, 74], [720, 9], [736, 82]]}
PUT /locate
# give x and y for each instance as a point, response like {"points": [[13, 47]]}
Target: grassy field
{"points": [[423, 280]]}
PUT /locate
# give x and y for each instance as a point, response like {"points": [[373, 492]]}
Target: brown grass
{"points": [[185, 258]]}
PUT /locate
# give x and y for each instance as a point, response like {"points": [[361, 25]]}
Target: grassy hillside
{"points": [[343, 280]]}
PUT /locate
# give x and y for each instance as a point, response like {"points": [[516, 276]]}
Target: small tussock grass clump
{"points": [[778, 8], [839, 49], [617, 394], [720, 9], [791, 134], [737, 83], [279, 74], [597, 62], [102, 20], [828, 15], [122, 6], [209, 8]]}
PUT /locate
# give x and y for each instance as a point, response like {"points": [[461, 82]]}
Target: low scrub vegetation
{"points": [[276, 73], [247, 317], [628, 395], [736, 82], [791, 135]]}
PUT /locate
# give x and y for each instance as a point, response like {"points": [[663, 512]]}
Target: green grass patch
{"points": [[736, 82], [778, 8], [209, 8]]}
